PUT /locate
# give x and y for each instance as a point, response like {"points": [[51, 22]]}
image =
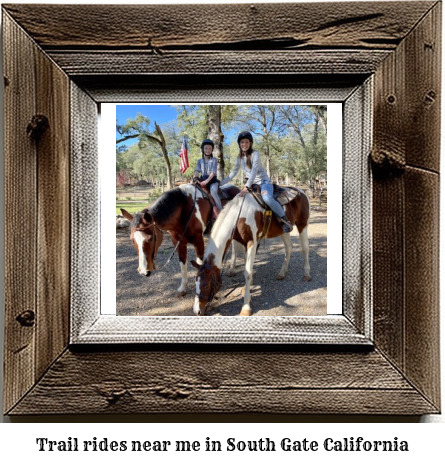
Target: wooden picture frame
{"points": [[382, 357]]}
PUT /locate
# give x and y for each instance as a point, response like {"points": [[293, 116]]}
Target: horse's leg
{"points": [[304, 243], [199, 248], [287, 252], [182, 254], [236, 247], [248, 273]]}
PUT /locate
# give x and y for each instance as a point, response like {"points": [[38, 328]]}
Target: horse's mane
{"points": [[235, 203], [169, 201]]}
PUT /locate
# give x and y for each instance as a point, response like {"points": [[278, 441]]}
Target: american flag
{"points": [[183, 155]]}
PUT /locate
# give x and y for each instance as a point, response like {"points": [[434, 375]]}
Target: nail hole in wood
{"points": [[430, 97]]}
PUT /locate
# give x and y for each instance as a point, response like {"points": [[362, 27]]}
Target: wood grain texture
{"points": [[212, 381], [37, 210], [388, 271], [53, 226], [20, 215], [217, 88], [85, 211], [423, 92], [406, 206], [100, 62], [162, 27], [422, 281], [357, 209]]}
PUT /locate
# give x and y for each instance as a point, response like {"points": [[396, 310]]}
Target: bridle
{"points": [[155, 234], [214, 283], [144, 229]]}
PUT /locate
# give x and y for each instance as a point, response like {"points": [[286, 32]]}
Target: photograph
{"points": [[221, 210]]}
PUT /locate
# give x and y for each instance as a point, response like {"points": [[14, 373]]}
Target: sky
{"points": [[159, 113]]}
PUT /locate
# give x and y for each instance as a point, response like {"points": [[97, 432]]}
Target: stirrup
{"points": [[286, 224]]}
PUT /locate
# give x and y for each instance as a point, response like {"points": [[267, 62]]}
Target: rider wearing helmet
{"points": [[249, 160], [206, 172]]}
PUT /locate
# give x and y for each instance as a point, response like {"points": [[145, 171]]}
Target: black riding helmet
{"points": [[245, 135], [207, 142]]}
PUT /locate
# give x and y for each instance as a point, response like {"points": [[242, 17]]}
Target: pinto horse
{"points": [[184, 212], [243, 220]]}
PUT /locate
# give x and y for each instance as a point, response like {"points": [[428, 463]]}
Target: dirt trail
{"points": [[156, 295]]}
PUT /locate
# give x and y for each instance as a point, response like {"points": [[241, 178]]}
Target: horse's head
{"points": [[146, 238], [208, 283]]}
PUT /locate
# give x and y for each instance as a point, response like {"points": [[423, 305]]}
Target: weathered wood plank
{"points": [[357, 208], [423, 92], [388, 200], [20, 213], [217, 88], [218, 382], [406, 205], [375, 25], [422, 325], [53, 225], [78, 62], [85, 211]]}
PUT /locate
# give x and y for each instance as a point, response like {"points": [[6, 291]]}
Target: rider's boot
{"points": [[286, 224]]}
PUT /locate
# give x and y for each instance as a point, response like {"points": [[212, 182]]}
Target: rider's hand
{"points": [[243, 192]]}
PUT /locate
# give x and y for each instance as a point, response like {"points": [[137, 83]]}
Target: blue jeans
{"points": [[267, 194]]}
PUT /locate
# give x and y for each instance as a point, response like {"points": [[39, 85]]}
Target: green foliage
{"points": [[290, 138]]}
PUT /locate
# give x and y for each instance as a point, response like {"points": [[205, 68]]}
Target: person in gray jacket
{"points": [[249, 160], [206, 172]]}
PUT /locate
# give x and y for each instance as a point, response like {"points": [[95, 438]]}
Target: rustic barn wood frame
{"points": [[384, 360]]}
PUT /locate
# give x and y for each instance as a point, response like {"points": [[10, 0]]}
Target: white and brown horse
{"points": [[242, 220], [184, 213]]}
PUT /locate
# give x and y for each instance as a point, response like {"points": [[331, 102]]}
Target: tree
{"points": [[303, 121], [216, 135], [201, 122], [139, 127]]}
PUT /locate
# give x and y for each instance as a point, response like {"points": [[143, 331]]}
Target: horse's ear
{"points": [[147, 217], [194, 264], [127, 215]]}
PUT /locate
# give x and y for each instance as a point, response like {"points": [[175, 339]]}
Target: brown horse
{"points": [[243, 220], [184, 212]]}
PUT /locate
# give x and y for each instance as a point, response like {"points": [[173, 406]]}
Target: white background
{"points": [[17, 438], [107, 159]]}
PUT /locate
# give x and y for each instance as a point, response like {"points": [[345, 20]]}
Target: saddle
{"points": [[222, 194], [282, 194]]}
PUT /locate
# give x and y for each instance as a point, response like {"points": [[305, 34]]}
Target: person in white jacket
{"points": [[249, 160], [206, 172]]}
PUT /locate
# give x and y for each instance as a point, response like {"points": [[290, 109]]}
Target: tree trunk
{"points": [[216, 135], [267, 155], [316, 122], [165, 153]]}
